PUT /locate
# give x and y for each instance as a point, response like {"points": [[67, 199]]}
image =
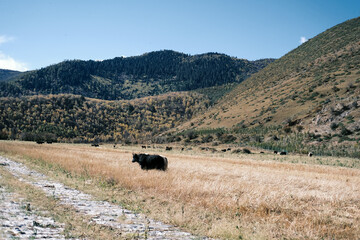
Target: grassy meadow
{"points": [[221, 195]]}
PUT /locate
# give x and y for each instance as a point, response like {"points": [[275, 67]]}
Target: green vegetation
{"points": [[150, 74], [8, 74], [74, 118], [277, 138]]}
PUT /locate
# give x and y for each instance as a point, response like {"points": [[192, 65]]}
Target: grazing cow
{"points": [[223, 150], [143, 147], [94, 145], [168, 148], [147, 161], [282, 153], [262, 152], [275, 152], [228, 149], [310, 154]]}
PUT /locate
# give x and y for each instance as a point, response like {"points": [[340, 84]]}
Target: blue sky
{"points": [[37, 33]]}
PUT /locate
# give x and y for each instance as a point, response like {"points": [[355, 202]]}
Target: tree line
{"points": [[73, 118]]}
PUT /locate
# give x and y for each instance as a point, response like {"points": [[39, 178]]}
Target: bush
{"points": [[227, 138], [345, 131], [207, 138], [299, 128], [191, 134], [3, 135], [334, 126], [287, 130]]}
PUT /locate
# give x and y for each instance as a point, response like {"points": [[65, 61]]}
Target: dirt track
{"points": [[16, 221]]}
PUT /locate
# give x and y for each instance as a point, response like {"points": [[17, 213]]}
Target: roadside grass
{"points": [[75, 225], [225, 196]]}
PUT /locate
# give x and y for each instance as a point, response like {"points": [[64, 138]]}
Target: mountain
{"points": [[311, 93], [150, 74], [8, 74]]}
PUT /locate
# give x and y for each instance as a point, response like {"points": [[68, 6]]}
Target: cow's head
{"points": [[135, 157]]}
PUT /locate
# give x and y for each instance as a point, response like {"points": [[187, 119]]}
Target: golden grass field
{"points": [[228, 196]]}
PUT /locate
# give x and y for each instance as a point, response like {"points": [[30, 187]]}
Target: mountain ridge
{"points": [[149, 74], [6, 74]]}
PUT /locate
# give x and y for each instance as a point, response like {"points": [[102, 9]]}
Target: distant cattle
{"points": [[228, 149], [39, 142], [168, 148], [147, 161], [94, 145], [282, 153], [223, 150], [310, 154], [275, 152], [247, 151], [143, 147]]}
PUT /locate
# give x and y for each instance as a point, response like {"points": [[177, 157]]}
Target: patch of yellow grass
{"points": [[224, 197]]}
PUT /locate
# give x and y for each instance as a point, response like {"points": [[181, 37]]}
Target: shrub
{"points": [[207, 138], [287, 130], [3, 135], [345, 131], [334, 126]]}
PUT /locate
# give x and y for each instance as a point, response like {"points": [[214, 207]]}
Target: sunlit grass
{"points": [[221, 195]]}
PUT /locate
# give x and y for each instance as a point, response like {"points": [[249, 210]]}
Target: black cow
{"points": [[282, 153], [168, 148], [147, 161]]}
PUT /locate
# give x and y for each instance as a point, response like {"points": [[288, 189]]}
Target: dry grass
{"points": [[75, 225], [224, 197]]}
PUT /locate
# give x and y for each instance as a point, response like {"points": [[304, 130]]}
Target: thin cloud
{"points": [[7, 62], [4, 39], [302, 40]]}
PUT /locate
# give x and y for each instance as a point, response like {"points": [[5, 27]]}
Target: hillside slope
{"points": [[315, 88], [74, 118], [6, 74], [150, 74]]}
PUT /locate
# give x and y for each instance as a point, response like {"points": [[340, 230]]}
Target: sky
{"points": [[38, 33]]}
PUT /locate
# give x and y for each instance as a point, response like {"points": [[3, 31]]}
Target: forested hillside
{"points": [[150, 74], [8, 74], [72, 118]]}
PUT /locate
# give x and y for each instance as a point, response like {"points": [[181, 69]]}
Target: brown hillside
{"points": [[307, 82]]}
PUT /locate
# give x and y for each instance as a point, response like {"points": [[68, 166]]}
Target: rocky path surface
{"points": [[101, 212], [17, 221]]}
